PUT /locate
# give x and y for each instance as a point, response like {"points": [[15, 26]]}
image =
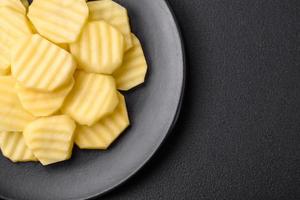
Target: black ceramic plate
{"points": [[153, 110]]}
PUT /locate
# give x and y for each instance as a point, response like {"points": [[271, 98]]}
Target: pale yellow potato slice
{"points": [[17, 5], [51, 139], [99, 49], [13, 117], [13, 25], [42, 104], [114, 14], [93, 96], [60, 21], [13, 147], [102, 134], [134, 67], [41, 65]]}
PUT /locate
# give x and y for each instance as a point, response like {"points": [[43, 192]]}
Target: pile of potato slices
{"points": [[62, 65]]}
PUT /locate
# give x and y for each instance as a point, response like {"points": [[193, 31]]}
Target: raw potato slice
{"points": [[13, 25], [99, 49], [14, 148], [114, 14], [93, 96], [42, 104], [41, 65], [51, 138], [134, 67], [60, 21], [17, 5], [13, 117], [103, 133]]}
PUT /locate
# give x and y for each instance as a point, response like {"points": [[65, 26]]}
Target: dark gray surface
{"points": [[152, 109], [238, 135]]}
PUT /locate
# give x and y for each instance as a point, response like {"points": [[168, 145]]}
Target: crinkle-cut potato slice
{"points": [[13, 25], [92, 97], [60, 21], [41, 104], [99, 49], [13, 117], [114, 14], [51, 138], [102, 134], [14, 148], [134, 67], [17, 5], [41, 65]]}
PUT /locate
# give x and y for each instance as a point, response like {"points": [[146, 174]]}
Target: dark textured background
{"points": [[238, 134]]}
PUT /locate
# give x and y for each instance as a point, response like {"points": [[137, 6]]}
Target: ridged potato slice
{"points": [[13, 25], [42, 104], [13, 117], [17, 5], [51, 139], [60, 21], [99, 49], [41, 65], [102, 134], [13, 147], [93, 96], [134, 67], [114, 14]]}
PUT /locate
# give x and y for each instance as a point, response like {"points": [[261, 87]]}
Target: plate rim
{"points": [[173, 123]]}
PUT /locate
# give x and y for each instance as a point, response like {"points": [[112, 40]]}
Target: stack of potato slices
{"points": [[61, 66]]}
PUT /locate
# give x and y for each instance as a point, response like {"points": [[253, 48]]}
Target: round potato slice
{"points": [[13, 147], [41, 104], [99, 49], [60, 21], [41, 65], [114, 14], [51, 139], [102, 134], [134, 68], [92, 97], [13, 117], [13, 25]]}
